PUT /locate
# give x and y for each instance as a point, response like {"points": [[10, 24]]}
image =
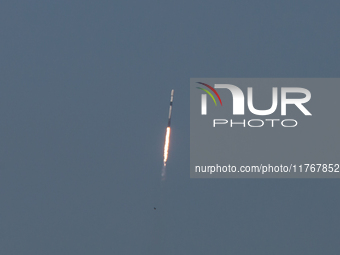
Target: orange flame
{"points": [[166, 145]]}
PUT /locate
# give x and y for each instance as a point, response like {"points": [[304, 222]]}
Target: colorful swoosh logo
{"points": [[208, 92]]}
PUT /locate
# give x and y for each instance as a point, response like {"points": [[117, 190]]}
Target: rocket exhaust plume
{"points": [[167, 138], [166, 144]]}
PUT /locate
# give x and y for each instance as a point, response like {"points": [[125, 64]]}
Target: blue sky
{"points": [[84, 94]]}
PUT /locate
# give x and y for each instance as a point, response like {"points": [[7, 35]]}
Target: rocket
{"points": [[167, 137], [171, 99]]}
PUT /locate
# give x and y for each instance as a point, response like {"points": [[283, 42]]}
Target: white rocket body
{"points": [[170, 109]]}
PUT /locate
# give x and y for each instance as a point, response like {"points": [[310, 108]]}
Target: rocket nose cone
{"points": [[172, 92]]}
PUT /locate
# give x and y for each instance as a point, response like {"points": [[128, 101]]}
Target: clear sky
{"points": [[84, 97]]}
